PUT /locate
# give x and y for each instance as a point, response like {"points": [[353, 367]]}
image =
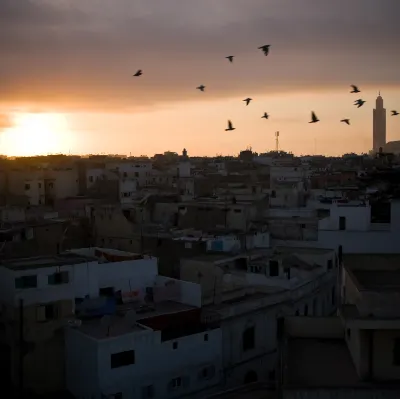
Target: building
{"points": [[379, 125], [40, 296]]}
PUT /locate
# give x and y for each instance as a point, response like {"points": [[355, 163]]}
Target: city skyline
{"points": [[69, 87]]}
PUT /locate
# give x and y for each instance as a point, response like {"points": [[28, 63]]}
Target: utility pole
{"points": [[21, 348]]}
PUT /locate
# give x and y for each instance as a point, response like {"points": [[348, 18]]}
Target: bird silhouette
{"points": [[266, 116], [394, 113], [230, 58], [138, 73], [359, 103], [265, 49], [346, 121], [201, 87], [355, 89], [314, 118], [230, 126], [247, 100]]}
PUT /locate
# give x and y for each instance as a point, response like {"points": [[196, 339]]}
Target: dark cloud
{"points": [[84, 56]]}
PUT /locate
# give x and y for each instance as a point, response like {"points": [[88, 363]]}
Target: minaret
{"points": [[379, 125]]}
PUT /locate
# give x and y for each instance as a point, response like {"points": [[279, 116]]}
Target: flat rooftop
{"points": [[120, 324], [379, 281], [376, 262], [38, 262]]}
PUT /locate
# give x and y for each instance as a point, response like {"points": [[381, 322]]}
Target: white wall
{"points": [[357, 218], [190, 293], [12, 214], [156, 363]]}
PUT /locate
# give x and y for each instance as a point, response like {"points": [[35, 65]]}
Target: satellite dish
{"points": [[131, 317]]}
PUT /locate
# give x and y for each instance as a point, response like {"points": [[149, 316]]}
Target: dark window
{"points": [[51, 185], [125, 174], [297, 313], [122, 359], [50, 311], [91, 179], [237, 210], [348, 333], [248, 338], [117, 395], [39, 185], [26, 282], [254, 189], [175, 345], [330, 264], [305, 310], [27, 186], [314, 305], [108, 292], [287, 271], [271, 375], [58, 278], [273, 268], [205, 337], [333, 298], [273, 194], [148, 392], [396, 352], [136, 174], [342, 223]]}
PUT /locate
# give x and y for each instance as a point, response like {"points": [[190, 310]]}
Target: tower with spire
{"points": [[379, 125]]}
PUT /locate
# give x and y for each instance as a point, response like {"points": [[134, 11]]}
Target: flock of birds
{"points": [[314, 119]]}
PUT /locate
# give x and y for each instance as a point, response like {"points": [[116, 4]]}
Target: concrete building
{"points": [[379, 125], [250, 291], [139, 170], [39, 296]]}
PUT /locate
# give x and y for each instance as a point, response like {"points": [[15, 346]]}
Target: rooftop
{"points": [[120, 324], [372, 262], [37, 262], [382, 280]]}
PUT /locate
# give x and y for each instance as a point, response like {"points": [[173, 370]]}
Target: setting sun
{"points": [[36, 134]]}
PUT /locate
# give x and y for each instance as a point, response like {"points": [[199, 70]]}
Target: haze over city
{"points": [[67, 86]]}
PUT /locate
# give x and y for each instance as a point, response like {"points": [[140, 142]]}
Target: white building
{"points": [[140, 170]]}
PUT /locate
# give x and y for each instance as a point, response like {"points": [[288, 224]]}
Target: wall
{"points": [[342, 393], [11, 214], [384, 369], [309, 327], [81, 369], [357, 218], [156, 363], [190, 293]]}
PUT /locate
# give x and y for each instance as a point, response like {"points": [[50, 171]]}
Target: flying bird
{"points": [[230, 126], [394, 113], [359, 103], [138, 73], [265, 49], [314, 118], [230, 58], [266, 116], [247, 100], [201, 87], [355, 89], [346, 121]]}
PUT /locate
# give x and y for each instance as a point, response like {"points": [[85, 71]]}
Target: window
{"points": [[91, 179], [136, 174], [115, 396], [342, 223], [26, 281], [207, 373], [314, 306], [330, 264], [305, 310], [273, 268], [237, 210], [46, 312], [175, 383], [287, 271], [148, 392], [39, 185], [396, 352], [248, 338], [58, 278], [125, 174], [297, 313], [122, 359], [348, 333], [175, 345], [205, 337], [51, 185], [27, 186]]}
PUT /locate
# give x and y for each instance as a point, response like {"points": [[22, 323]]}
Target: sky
{"points": [[66, 71]]}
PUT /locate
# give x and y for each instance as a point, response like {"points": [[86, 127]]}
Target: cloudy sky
{"points": [[66, 74]]}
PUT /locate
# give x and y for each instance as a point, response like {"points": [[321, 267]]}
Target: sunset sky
{"points": [[66, 70]]}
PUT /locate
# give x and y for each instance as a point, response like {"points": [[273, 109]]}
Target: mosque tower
{"points": [[379, 125]]}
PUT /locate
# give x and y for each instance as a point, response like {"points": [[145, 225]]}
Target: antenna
{"points": [[277, 141], [106, 322]]}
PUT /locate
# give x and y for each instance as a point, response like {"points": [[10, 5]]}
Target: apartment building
{"points": [[39, 297]]}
